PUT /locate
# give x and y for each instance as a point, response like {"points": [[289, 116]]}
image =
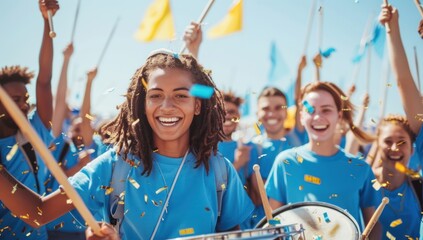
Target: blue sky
{"points": [[239, 61]]}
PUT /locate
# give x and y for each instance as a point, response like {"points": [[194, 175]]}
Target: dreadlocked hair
{"points": [[342, 103], [230, 97], [397, 120], [15, 74], [130, 131]]}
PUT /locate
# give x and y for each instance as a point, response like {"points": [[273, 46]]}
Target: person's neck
{"points": [[326, 148], [7, 132], [391, 177], [173, 149], [276, 136]]}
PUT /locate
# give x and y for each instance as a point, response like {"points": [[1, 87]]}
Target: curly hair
{"points": [[343, 105], [131, 132], [15, 74], [400, 121], [230, 97]]}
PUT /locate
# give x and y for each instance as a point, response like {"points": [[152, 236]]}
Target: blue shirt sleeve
{"points": [[275, 183], [369, 197], [236, 206]]}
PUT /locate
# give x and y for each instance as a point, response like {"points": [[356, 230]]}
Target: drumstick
{"points": [[388, 29], [374, 218], [52, 34], [419, 7], [48, 159], [263, 195], [200, 20]]}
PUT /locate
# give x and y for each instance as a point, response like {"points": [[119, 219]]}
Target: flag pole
{"points": [[48, 159], [75, 20], [107, 43], [417, 68], [310, 20], [419, 7], [385, 78], [200, 20]]}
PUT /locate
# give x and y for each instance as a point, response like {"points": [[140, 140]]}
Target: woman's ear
{"points": [[197, 109]]}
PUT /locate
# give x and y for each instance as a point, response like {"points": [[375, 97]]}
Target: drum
{"points": [[282, 232], [319, 220]]}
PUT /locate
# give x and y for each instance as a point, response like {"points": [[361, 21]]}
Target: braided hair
{"points": [[130, 131]]}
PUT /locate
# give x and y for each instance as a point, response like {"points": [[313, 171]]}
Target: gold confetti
{"points": [[299, 159], [2, 115], [161, 189], [25, 172], [390, 236], [90, 117], [59, 226], [403, 169], [52, 147], [36, 222], [134, 183], [24, 216], [142, 214], [107, 188], [186, 231], [223, 186], [346, 109], [395, 223], [376, 185], [345, 98], [400, 194], [134, 123], [40, 212], [29, 233], [144, 83], [312, 179], [14, 188], [69, 201], [257, 129], [154, 203], [333, 231], [300, 187], [12, 152], [145, 198], [155, 150]]}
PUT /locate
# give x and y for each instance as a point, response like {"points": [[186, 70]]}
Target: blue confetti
{"points": [[309, 108], [325, 215], [326, 53], [201, 91], [274, 221], [175, 55]]}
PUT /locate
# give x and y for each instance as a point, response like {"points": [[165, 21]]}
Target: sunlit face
{"points": [[394, 145], [322, 123], [272, 114], [169, 107], [19, 94], [231, 118]]}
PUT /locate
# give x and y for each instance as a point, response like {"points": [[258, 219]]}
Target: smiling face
{"points": [[169, 107], [394, 144], [272, 114], [321, 124]]}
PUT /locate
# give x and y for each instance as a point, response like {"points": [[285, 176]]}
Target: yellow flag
{"points": [[231, 23], [157, 23]]}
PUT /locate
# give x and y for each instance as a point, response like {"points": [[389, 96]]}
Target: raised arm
{"points": [[410, 96], [43, 86], [60, 106], [352, 143], [28, 205], [193, 37], [86, 130], [298, 82]]}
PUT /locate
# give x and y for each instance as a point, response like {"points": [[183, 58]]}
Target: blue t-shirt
{"points": [[20, 168], [228, 151], [300, 175], [192, 208]]}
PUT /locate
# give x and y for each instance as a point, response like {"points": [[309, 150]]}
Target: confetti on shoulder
{"points": [[201, 91]]}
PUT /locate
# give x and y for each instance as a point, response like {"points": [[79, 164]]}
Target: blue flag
{"points": [[278, 68], [377, 39], [245, 107]]}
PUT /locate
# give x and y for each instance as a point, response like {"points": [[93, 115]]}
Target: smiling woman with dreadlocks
{"points": [[167, 140]]}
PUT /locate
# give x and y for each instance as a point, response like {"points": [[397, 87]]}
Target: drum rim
{"points": [[275, 212]]}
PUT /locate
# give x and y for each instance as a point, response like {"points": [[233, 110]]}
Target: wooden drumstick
{"points": [[374, 218], [48, 159], [52, 34], [388, 29], [263, 195]]}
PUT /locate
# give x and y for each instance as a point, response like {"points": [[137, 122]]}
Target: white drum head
{"points": [[321, 221]]}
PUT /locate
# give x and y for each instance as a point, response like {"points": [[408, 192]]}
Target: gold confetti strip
{"points": [[144, 83], [155, 150], [12, 152], [145, 198], [346, 109], [69, 201], [312, 179], [59, 226], [400, 194], [257, 128], [40, 212], [161, 189], [345, 98], [121, 202], [142, 214], [2, 115], [223, 186], [299, 159], [24, 216], [154, 203], [186, 231], [36, 222], [107, 188], [25, 172], [390, 236], [90, 117], [29, 233], [333, 231], [134, 183], [376, 185], [14, 188], [134, 123], [395, 223], [300, 187]]}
